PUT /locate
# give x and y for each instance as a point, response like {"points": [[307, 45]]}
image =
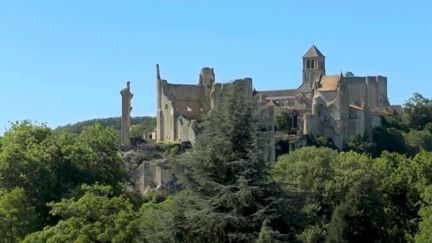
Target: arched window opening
{"points": [[308, 64], [312, 64]]}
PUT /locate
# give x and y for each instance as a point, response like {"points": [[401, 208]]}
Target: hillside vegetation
{"points": [[141, 124], [58, 186]]}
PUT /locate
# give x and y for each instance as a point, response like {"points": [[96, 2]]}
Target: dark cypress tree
{"points": [[228, 190]]}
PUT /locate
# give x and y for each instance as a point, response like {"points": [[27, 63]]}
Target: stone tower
{"points": [[159, 114], [125, 119], [206, 80], [313, 68]]}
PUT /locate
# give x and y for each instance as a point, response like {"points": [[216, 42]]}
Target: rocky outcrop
{"points": [[149, 170]]}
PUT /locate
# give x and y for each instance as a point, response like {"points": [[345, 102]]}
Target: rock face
{"points": [[125, 119], [149, 170], [153, 175]]}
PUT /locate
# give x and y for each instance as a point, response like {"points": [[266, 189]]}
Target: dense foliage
{"points": [[49, 166], [62, 186], [140, 125], [229, 194], [17, 215], [283, 121], [96, 216]]}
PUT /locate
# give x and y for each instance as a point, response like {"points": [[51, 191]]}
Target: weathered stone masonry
{"points": [[334, 106]]}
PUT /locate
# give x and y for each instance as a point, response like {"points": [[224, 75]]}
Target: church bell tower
{"points": [[313, 67]]}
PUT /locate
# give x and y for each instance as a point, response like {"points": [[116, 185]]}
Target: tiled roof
{"points": [[381, 111], [313, 52], [278, 93], [329, 83]]}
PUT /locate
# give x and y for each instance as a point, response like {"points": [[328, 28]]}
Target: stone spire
{"points": [[125, 119]]}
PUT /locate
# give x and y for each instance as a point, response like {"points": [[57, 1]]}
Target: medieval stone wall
{"points": [[266, 136], [186, 99], [382, 91], [357, 89], [220, 90]]}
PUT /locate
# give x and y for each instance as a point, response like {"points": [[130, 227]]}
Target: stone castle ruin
{"points": [[333, 106], [181, 107]]}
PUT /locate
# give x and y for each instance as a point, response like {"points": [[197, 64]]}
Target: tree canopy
{"points": [[50, 166], [229, 192]]}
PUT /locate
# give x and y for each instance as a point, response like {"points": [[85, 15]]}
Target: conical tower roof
{"points": [[313, 52]]}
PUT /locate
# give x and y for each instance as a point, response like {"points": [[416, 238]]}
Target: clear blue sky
{"points": [[66, 61]]}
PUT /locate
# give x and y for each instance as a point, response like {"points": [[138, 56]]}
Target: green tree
{"points": [[17, 216], [137, 131], [96, 155], [424, 234], [26, 161], [283, 121], [418, 112], [320, 141], [157, 221], [361, 217], [394, 121], [229, 191], [389, 139], [421, 171], [309, 169], [359, 144], [326, 177], [266, 233], [97, 216], [113, 122], [50, 166], [417, 140], [397, 184]]}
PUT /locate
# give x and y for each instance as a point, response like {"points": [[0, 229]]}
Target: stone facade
{"points": [[334, 106], [152, 175], [181, 107], [344, 106]]}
